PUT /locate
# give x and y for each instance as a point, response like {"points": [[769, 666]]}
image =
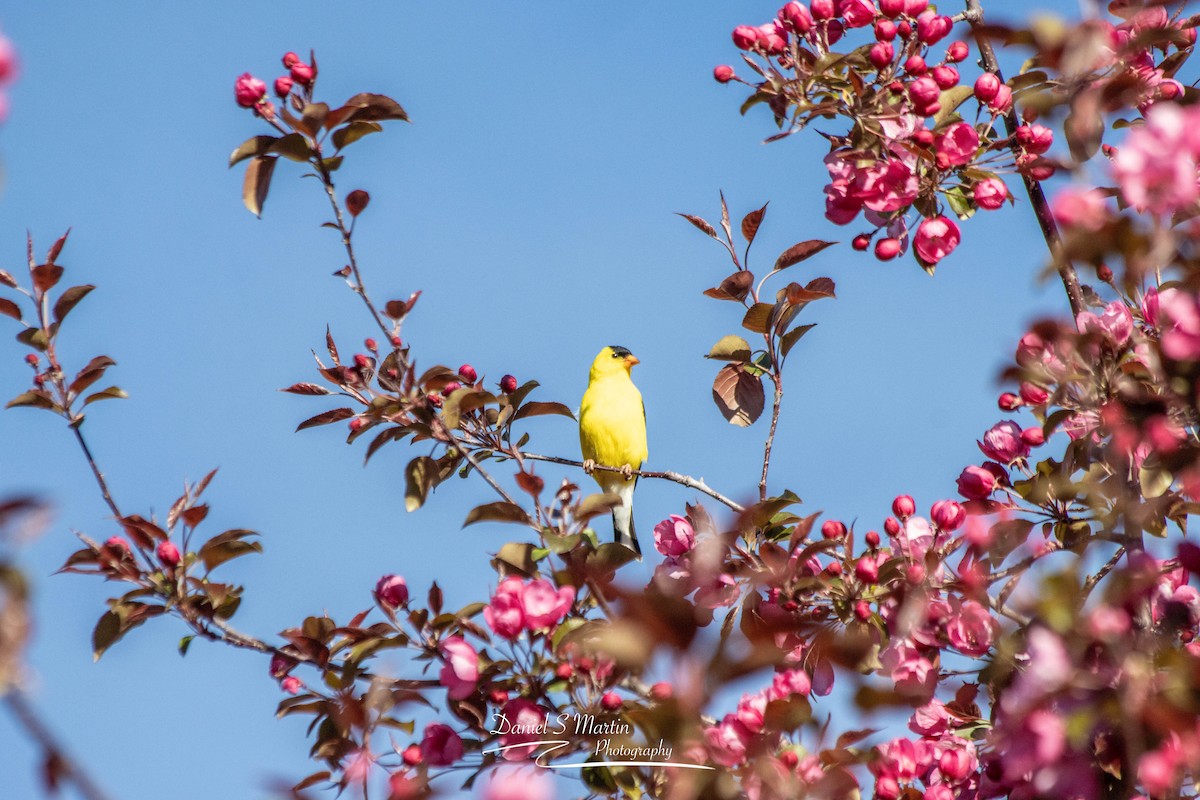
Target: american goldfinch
{"points": [[612, 433]]}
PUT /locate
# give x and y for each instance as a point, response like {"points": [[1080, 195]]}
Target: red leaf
{"points": [[751, 221], [799, 252], [739, 395], [701, 224]]}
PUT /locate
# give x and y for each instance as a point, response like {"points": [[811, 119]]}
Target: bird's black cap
{"points": [[618, 351]]}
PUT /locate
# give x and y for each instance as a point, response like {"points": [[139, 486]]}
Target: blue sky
{"points": [[532, 200]]}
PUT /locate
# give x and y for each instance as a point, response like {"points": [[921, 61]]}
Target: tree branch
{"points": [[1033, 187], [675, 477]]}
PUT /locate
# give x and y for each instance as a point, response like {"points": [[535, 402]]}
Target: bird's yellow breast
{"points": [[612, 422]]}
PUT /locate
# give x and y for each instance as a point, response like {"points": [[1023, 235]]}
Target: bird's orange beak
{"points": [[630, 360]]}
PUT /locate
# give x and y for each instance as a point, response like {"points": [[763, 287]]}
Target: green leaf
{"points": [[594, 505], [31, 399], [257, 183], [515, 556], [497, 512], [111, 393], [353, 132], [730, 348], [254, 146], [184, 644], [420, 476], [106, 633], [758, 317], [69, 299], [293, 147], [35, 338], [949, 100], [793, 336]]}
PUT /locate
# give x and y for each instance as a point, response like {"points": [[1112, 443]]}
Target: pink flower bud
{"points": [[302, 73], [935, 239], [932, 28], [291, 684], [903, 506], [976, 483], [392, 591], [958, 51], [283, 85], [923, 91], [117, 547], [1035, 139], [611, 701], [903, 28], [32, 359], [866, 570], [796, 18], [887, 249], [860, 243], [945, 76], [508, 384], [881, 54], [915, 65], [834, 568], [1033, 394], [885, 30], [362, 361], [371, 344], [451, 387], [1009, 402], [248, 90], [396, 341], [8, 60], [745, 37], [1002, 442], [923, 137], [467, 373], [986, 87], [990, 193], [915, 572], [723, 73], [891, 526], [412, 755], [833, 529], [862, 610], [891, 8], [1034, 437], [948, 515], [872, 539], [661, 691], [1002, 102], [914, 8], [168, 554], [834, 30], [441, 746], [290, 59], [954, 764], [823, 9]]}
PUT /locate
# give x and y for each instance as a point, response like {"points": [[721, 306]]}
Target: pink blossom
{"points": [[956, 145], [392, 591], [521, 721], [990, 193], [796, 17], [930, 719], [1156, 168], [1049, 669], [1082, 423], [944, 76], [1002, 102], [1158, 770], [727, 741], [518, 783], [857, 13], [1040, 741], [283, 85], [723, 73], [1002, 442], [674, 575], [1150, 307], [909, 668], [1035, 139], [356, 766], [505, 614], [935, 239], [1180, 314], [721, 591], [932, 28], [745, 37], [248, 90], [461, 669], [772, 38], [915, 539], [900, 759], [544, 606], [986, 87], [789, 682], [1074, 207], [441, 746], [976, 483], [1115, 323], [970, 629], [924, 91], [674, 536], [948, 515], [889, 185], [750, 711], [291, 684]]}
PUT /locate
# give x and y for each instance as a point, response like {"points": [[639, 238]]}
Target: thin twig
{"points": [[1033, 187], [28, 718], [675, 477], [100, 479], [770, 442]]}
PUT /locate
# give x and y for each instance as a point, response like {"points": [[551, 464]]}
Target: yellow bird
{"points": [[612, 433]]}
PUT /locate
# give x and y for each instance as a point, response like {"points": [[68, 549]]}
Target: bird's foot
{"points": [[589, 466], [627, 472]]}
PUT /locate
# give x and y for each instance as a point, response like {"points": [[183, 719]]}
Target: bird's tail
{"points": [[623, 517]]}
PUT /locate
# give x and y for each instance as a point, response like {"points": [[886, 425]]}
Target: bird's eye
{"points": [[616, 355]]}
